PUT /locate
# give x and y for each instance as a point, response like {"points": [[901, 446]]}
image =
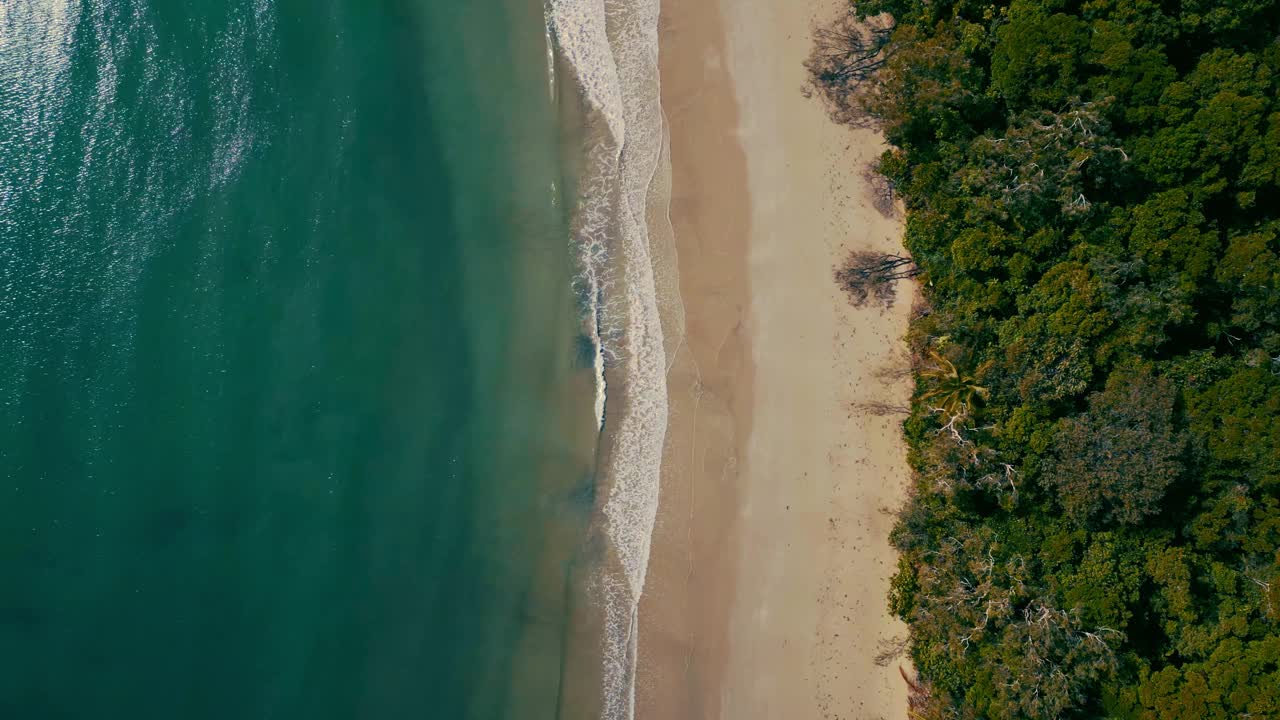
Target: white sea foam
{"points": [[611, 47], [551, 57]]}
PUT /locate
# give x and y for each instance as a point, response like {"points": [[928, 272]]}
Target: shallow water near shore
{"points": [[292, 418]]}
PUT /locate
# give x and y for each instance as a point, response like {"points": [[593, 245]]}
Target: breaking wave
{"points": [[611, 48]]}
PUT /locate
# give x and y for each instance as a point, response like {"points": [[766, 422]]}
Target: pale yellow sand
{"points": [[767, 584]]}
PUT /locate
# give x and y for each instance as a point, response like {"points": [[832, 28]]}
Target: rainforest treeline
{"points": [[1092, 195]]}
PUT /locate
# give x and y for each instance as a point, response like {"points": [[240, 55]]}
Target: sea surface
{"points": [[306, 320]]}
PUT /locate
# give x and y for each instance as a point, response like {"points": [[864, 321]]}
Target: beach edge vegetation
{"points": [[1092, 197]]}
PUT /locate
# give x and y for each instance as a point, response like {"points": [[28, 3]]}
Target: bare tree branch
{"points": [[890, 649], [867, 274], [845, 55]]}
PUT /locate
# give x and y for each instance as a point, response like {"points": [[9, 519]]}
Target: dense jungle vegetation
{"points": [[1092, 193]]}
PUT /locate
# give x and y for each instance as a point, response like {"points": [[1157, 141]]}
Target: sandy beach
{"points": [[766, 588]]}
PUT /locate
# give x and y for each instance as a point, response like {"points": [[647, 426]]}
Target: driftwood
{"points": [[881, 409], [917, 696]]}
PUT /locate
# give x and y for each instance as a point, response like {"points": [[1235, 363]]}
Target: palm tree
{"points": [[955, 391]]}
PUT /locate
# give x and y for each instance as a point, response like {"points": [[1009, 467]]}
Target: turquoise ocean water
{"points": [[293, 418]]}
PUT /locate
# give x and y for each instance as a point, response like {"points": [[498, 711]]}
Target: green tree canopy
{"points": [[1093, 209], [1113, 463]]}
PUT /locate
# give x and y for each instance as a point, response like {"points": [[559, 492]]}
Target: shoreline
{"points": [[768, 576], [623, 253]]}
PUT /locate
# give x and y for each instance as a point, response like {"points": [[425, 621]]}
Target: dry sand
{"points": [[766, 589]]}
